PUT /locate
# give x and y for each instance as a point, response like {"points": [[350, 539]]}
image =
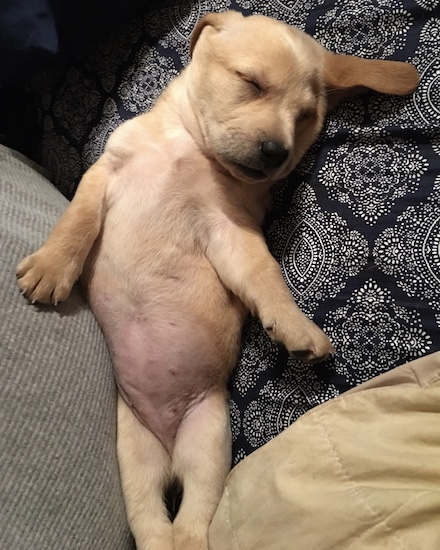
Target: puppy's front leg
{"points": [[48, 275], [244, 264]]}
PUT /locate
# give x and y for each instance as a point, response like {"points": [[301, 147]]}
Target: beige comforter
{"points": [[360, 472]]}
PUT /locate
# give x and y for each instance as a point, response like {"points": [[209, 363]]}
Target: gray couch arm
{"points": [[59, 483]]}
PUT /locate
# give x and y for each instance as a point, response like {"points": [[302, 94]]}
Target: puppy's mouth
{"points": [[250, 173]]}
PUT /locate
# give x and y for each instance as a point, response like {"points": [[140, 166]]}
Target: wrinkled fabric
{"points": [[360, 471]]}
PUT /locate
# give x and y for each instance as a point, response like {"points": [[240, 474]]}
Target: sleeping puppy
{"points": [[165, 232]]}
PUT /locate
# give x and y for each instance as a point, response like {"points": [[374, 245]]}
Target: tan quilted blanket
{"points": [[360, 472]]}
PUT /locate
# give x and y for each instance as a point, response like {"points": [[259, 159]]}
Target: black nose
{"points": [[273, 154]]}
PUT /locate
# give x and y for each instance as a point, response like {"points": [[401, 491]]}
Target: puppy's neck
{"points": [[176, 109]]}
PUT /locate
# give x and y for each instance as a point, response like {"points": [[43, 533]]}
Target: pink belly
{"points": [[163, 368], [173, 332]]}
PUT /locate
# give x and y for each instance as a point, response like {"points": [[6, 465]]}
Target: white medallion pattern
{"points": [[422, 109], [146, 79], [293, 12], [343, 118], [427, 97], [370, 175], [316, 250], [235, 419], [173, 25], [363, 28], [239, 455], [372, 332], [410, 251], [283, 400], [428, 4], [435, 141], [100, 133], [259, 354]]}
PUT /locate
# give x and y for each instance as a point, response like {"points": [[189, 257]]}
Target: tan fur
{"points": [[165, 230]]}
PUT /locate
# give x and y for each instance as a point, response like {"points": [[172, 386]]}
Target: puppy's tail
{"points": [[173, 497]]}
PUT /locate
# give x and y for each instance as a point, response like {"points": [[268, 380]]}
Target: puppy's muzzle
{"points": [[273, 154], [262, 162]]}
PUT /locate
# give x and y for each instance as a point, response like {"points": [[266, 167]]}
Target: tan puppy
{"points": [[165, 230]]}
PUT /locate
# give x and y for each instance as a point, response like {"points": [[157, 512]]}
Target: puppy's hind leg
{"points": [[201, 460], [144, 466]]}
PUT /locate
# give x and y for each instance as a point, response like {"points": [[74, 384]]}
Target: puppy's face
{"points": [[254, 121], [259, 90]]}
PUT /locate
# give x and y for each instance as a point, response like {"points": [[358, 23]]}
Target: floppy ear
{"points": [[216, 20], [346, 76]]}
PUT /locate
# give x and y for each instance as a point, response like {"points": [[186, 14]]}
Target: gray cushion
{"points": [[59, 483]]}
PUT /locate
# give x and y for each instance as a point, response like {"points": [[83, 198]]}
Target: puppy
{"points": [[165, 232]]}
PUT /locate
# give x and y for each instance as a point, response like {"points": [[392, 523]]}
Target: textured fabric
{"points": [[361, 471], [59, 482], [355, 229]]}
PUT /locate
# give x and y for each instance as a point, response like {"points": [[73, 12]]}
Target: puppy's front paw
{"points": [[317, 347], [302, 339], [46, 277]]}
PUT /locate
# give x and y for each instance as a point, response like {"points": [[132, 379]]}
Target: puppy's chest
{"points": [[156, 216], [159, 190]]}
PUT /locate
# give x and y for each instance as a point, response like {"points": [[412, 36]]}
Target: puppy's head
{"points": [[260, 90]]}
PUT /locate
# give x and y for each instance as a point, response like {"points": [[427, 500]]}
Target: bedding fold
{"points": [[360, 471]]}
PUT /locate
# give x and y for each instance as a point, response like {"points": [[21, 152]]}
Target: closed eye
{"points": [[255, 85], [252, 82]]}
